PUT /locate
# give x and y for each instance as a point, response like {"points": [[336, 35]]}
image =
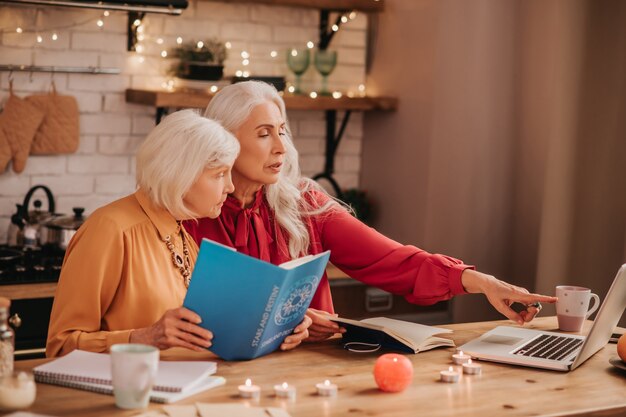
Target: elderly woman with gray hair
{"points": [[127, 269], [276, 215]]}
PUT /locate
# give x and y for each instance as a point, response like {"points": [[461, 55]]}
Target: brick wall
{"points": [[111, 130]]}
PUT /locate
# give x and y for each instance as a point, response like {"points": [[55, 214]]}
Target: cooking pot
{"points": [[58, 231], [24, 229]]}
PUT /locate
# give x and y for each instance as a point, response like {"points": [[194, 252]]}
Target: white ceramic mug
{"points": [[133, 370], [573, 306]]}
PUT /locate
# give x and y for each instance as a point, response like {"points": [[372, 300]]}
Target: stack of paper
{"points": [[92, 372]]}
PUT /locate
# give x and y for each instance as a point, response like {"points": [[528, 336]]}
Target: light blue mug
{"points": [[133, 370]]}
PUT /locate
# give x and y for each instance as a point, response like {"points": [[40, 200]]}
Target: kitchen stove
{"points": [[30, 265]]}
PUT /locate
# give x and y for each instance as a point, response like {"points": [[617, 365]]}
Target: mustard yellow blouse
{"points": [[117, 276]]}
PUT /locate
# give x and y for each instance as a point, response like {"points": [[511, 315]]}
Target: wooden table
{"points": [[594, 389]]}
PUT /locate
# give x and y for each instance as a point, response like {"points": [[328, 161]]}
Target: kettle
{"points": [[25, 225]]}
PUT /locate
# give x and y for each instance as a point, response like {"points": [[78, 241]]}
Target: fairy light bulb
{"points": [[245, 62], [55, 36], [137, 22], [39, 39], [139, 48], [179, 40], [106, 13], [245, 55], [245, 74], [294, 52], [344, 19], [273, 54], [213, 89], [141, 59], [337, 94], [313, 94], [291, 89], [228, 45], [352, 15], [140, 37], [19, 30], [310, 45], [164, 54], [239, 73], [100, 23], [335, 28], [200, 44], [140, 29], [159, 41]]}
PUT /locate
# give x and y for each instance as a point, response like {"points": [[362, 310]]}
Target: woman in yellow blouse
{"points": [[127, 269]]}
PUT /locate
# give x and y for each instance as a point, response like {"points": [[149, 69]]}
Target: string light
{"points": [[137, 22], [213, 89], [344, 19], [55, 36], [310, 45], [335, 28], [245, 74], [106, 13], [19, 30], [337, 94], [273, 54], [352, 15], [100, 23], [140, 37], [294, 52], [39, 39], [159, 41], [164, 54], [139, 48], [239, 73], [245, 55], [228, 45], [313, 94], [291, 89], [141, 59], [179, 41], [200, 44]]}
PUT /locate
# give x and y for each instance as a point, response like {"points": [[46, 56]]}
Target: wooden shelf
{"points": [[26, 291], [199, 99], [358, 5]]}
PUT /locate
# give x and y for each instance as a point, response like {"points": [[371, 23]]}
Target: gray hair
{"points": [[231, 107], [176, 152]]}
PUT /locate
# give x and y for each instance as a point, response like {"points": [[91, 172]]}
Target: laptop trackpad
{"points": [[502, 340]]}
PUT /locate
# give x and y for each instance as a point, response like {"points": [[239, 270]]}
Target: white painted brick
{"points": [[97, 164], [349, 38], [347, 180], [88, 102], [348, 163], [65, 58], [44, 165], [349, 147], [39, 83], [7, 204], [88, 145], [99, 41], [297, 115], [29, 40], [191, 30], [104, 124], [147, 82], [310, 17], [115, 184], [355, 126], [97, 82], [360, 22], [90, 202], [12, 184], [222, 11], [276, 15], [294, 35], [151, 66], [12, 16], [246, 31], [142, 125], [309, 146], [106, 60], [123, 145], [15, 56], [114, 23], [116, 103], [354, 56], [66, 184], [4, 227], [313, 163], [308, 128]]}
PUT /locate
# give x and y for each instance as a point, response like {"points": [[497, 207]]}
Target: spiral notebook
{"points": [[92, 372]]}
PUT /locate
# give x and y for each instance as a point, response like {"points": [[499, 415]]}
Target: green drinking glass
{"points": [[298, 61], [325, 62]]}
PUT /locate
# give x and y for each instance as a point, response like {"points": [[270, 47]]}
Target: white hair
{"points": [[176, 152], [231, 107]]}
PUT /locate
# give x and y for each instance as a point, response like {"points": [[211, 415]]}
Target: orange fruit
{"points": [[621, 347]]}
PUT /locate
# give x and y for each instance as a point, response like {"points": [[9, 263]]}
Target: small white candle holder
{"points": [[460, 358], [472, 368], [285, 390], [248, 390], [450, 375], [326, 389]]}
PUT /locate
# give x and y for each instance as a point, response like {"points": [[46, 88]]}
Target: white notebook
{"points": [[80, 366]]}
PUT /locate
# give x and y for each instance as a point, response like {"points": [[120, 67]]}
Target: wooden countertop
{"points": [[594, 389]]}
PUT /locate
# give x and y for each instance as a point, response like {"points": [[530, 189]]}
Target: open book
{"points": [[392, 334], [92, 372], [250, 305]]}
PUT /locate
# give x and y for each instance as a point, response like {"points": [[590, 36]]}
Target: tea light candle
{"points": [[326, 389], [460, 358], [285, 390], [393, 372], [472, 368], [249, 391], [450, 375]]}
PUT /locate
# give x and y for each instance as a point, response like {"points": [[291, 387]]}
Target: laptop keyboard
{"points": [[550, 347]]}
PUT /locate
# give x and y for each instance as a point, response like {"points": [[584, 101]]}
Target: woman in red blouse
{"points": [[276, 215]]}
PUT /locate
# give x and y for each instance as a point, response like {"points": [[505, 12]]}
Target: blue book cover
{"points": [[250, 305]]}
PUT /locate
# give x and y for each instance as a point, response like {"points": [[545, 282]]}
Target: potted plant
{"points": [[200, 60]]}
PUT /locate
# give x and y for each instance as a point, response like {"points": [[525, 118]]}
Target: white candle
{"points": [[326, 389], [249, 391], [472, 368], [285, 390], [450, 375], [460, 358]]}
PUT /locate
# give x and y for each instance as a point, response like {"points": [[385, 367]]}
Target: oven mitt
{"points": [[5, 151], [20, 121], [59, 131]]}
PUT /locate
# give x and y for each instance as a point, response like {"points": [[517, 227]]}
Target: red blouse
{"points": [[358, 250]]}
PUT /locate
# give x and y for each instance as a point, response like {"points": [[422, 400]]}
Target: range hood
{"points": [[174, 7]]}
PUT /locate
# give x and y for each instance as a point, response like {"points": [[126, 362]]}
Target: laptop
{"points": [[551, 350]]}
